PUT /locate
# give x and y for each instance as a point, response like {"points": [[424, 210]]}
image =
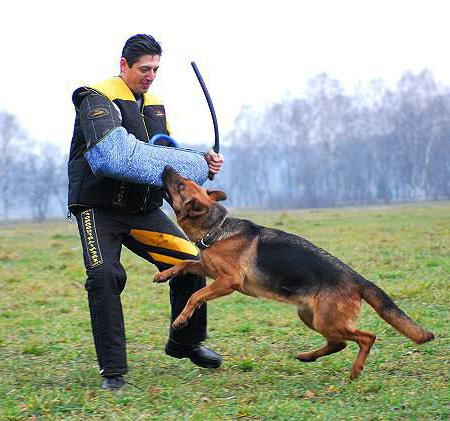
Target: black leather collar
{"points": [[209, 239]]}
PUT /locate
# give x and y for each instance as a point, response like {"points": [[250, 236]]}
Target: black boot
{"points": [[198, 354], [113, 383]]}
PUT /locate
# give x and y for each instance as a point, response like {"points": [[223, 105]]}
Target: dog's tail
{"points": [[391, 313]]}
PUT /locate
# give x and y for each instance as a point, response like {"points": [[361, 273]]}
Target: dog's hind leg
{"points": [[306, 315], [343, 329], [329, 348], [365, 341], [334, 316]]}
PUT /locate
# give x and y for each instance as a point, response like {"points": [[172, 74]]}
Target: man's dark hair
{"points": [[139, 45]]}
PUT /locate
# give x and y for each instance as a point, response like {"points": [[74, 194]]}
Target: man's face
{"points": [[141, 74]]}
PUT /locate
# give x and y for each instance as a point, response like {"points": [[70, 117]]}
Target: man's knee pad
{"points": [[112, 278]]}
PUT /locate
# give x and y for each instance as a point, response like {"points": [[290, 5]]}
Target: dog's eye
{"points": [[181, 187]]}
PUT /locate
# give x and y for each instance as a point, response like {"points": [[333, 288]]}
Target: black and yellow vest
{"points": [[87, 190]]}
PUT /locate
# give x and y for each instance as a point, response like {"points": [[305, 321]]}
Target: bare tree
{"points": [[45, 182], [10, 138]]}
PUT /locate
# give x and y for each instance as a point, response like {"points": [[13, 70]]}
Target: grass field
{"points": [[47, 362]]}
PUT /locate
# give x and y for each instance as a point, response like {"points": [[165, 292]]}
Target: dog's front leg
{"points": [[188, 266], [219, 288]]}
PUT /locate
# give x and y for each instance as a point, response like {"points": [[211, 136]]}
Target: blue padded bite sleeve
{"points": [[120, 155]]}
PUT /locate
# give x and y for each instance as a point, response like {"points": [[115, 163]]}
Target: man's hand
{"points": [[214, 161]]}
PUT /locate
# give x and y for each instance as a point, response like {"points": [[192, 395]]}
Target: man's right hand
{"points": [[214, 160]]}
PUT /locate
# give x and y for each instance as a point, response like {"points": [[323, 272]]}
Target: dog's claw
{"points": [[179, 325], [355, 372], [161, 281]]}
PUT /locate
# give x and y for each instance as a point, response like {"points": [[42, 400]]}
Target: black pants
{"points": [[155, 238]]}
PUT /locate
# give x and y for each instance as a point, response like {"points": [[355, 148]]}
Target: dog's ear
{"points": [[193, 208], [217, 195]]}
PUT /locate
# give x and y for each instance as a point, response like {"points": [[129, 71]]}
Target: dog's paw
{"points": [[305, 357], [179, 323], [164, 276], [355, 372]]}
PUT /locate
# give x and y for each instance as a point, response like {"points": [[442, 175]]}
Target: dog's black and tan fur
{"points": [[269, 263]]}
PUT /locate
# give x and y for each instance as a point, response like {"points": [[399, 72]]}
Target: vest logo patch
{"points": [[159, 113], [97, 113], [90, 238]]}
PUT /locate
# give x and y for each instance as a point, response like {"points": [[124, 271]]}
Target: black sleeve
{"points": [[98, 116]]}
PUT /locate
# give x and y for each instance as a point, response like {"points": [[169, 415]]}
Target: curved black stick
{"points": [[216, 146]]}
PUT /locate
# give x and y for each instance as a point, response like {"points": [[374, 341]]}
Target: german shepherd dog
{"points": [[268, 263]]}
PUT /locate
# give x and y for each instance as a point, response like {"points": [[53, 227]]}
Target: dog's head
{"points": [[195, 207]]}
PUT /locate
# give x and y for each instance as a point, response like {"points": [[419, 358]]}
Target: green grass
{"points": [[47, 362]]}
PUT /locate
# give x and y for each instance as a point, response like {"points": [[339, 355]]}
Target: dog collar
{"points": [[201, 244], [208, 239]]}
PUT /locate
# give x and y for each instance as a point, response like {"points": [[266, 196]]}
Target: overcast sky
{"points": [[249, 52]]}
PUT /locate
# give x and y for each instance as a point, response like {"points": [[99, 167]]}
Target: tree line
{"points": [[33, 180], [329, 148], [324, 148]]}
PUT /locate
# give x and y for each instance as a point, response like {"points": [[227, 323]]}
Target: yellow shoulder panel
{"points": [[114, 88], [150, 99]]}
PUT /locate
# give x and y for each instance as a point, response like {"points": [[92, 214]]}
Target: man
{"points": [[116, 209]]}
